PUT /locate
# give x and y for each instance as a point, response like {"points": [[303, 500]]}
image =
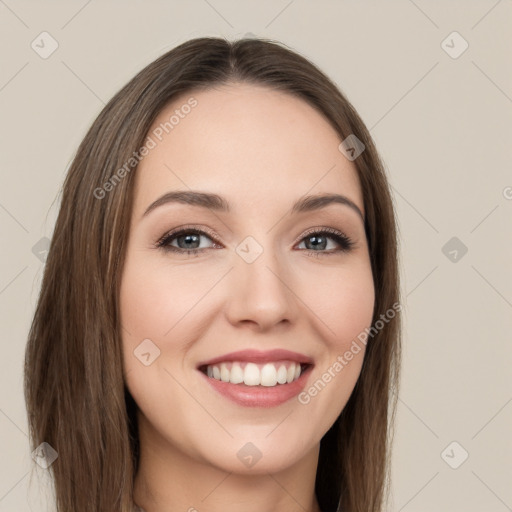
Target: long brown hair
{"points": [[74, 384]]}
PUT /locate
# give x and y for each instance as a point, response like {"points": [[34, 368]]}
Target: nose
{"points": [[261, 293]]}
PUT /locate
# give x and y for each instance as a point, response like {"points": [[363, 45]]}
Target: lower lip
{"points": [[259, 396]]}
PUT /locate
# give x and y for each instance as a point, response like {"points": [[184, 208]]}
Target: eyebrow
{"points": [[220, 204]]}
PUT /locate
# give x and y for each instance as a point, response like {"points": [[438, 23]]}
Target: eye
{"points": [[187, 240], [316, 241]]}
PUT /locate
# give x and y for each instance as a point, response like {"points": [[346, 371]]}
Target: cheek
{"points": [[342, 300], [160, 302], [146, 313], [154, 302], [154, 298]]}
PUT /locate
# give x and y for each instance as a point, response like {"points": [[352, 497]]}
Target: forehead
{"points": [[251, 144]]}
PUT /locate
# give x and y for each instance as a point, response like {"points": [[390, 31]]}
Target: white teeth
{"points": [[281, 374], [268, 375], [224, 373], [251, 374], [290, 375], [237, 374]]}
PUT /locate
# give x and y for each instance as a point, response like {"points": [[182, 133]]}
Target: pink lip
{"points": [[257, 356], [259, 396]]}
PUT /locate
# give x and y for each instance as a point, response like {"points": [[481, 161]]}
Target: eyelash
{"points": [[340, 238]]}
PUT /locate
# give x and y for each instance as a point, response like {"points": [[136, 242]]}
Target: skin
{"points": [[262, 150]]}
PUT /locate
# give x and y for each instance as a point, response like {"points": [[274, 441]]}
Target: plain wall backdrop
{"points": [[432, 80]]}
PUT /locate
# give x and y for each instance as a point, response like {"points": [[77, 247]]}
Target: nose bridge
{"points": [[260, 289]]}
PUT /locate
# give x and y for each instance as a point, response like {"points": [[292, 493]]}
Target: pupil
{"points": [[316, 239], [188, 240]]}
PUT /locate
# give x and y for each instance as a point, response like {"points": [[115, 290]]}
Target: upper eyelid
{"points": [[185, 229]]}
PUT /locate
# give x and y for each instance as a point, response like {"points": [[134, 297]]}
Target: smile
{"points": [[254, 374], [254, 378]]}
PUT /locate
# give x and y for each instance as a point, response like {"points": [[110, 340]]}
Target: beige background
{"points": [[443, 127]]}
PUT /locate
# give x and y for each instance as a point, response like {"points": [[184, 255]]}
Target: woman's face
{"points": [[262, 289]]}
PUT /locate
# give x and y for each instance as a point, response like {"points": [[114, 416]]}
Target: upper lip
{"points": [[258, 356]]}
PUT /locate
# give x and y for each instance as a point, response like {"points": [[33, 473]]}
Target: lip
{"points": [[259, 396], [258, 356]]}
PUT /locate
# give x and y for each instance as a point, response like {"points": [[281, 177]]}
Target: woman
{"points": [[218, 324]]}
